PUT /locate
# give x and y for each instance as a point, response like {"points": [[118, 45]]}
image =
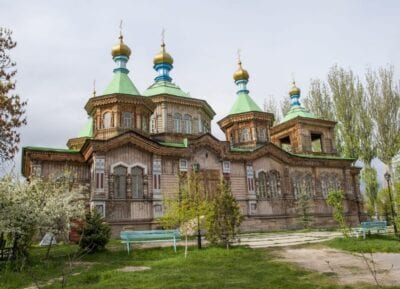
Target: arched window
{"points": [[262, 184], [107, 120], [296, 184], [177, 122], [274, 184], [245, 136], [120, 182], [325, 186], [137, 182], [188, 123], [308, 185], [144, 123], [127, 120]]}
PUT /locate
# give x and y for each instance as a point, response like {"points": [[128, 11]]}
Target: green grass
{"points": [[239, 267], [372, 244]]}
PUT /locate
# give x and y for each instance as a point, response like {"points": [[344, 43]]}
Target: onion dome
{"points": [[294, 90], [163, 56], [121, 48], [240, 74]]}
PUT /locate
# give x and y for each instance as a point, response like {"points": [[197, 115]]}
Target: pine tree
{"points": [[95, 234], [225, 217]]}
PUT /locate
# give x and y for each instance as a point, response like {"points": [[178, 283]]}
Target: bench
{"points": [[369, 227], [131, 237]]}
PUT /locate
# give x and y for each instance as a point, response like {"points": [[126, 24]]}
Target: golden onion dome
{"points": [[163, 56], [294, 90], [241, 74], [121, 48]]}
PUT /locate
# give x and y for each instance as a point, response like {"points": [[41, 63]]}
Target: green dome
{"points": [[244, 103]]}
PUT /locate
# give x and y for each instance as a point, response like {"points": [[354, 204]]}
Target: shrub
{"points": [[95, 234]]}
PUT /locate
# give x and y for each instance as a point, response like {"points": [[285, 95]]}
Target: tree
{"points": [[303, 204], [95, 233], [12, 108], [285, 106], [319, 101], [40, 205], [335, 200], [272, 107], [187, 209], [224, 218], [385, 100], [346, 94], [369, 176]]}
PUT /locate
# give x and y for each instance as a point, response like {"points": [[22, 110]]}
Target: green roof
{"points": [[244, 103], [321, 157], [87, 130], [296, 111], [46, 149], [244, 149], [165, 87], [121, 83], [175, 145]]}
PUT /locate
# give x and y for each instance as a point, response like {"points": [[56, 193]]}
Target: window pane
{"points": [[107, 120], [120, 173], [137, 182]]}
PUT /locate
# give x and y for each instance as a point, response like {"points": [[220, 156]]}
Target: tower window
{"points": [[144, 123], [188, 123], [127, 120], [316, 142], [285, 144], [245, 136], [177, 122], [107, 120]]}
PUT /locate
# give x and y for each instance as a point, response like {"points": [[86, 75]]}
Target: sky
{"points": [[64, 45]]}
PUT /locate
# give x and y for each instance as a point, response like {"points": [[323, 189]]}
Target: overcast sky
{"points": [[64, 45]]}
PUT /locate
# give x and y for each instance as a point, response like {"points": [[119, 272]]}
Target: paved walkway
{"points": [[264, 240]]}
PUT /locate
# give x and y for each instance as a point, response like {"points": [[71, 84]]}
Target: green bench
{"points": [[369, 227], [154, 236]]}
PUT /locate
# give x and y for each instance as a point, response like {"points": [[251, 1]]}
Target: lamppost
{"points": [[388, 177]]}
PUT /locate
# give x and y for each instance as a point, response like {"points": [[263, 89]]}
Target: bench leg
{"points": [[128, 247], [174, 244]]}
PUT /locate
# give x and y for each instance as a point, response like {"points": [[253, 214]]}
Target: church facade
{"points": [[135, 148]]}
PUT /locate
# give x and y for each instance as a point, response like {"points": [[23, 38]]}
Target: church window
{"points": [[308, 185], [183, 165], [177, 122], [107, 120], [285, 144], [144, 123], [262, 134], [119, 175], [245, 136], [250, 178], [296, 184], [152, 124], [273, 182], [99, 165], [127, 120], [316, 143], [325, 186], [188, 124], [36, 171], [156, 174], [137, 182], [226, 167], [262, 184]]}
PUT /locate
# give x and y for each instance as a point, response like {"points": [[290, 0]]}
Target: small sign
{"points": [[49, 237]]}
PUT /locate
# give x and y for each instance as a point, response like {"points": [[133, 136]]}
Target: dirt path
{"points": [[348, 268]]}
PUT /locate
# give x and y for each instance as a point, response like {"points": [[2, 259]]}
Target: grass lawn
{"points": [[240, 267], [372, 244]]}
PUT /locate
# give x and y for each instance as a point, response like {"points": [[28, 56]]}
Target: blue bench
{"points": [[131, 237], [369, 227]]}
